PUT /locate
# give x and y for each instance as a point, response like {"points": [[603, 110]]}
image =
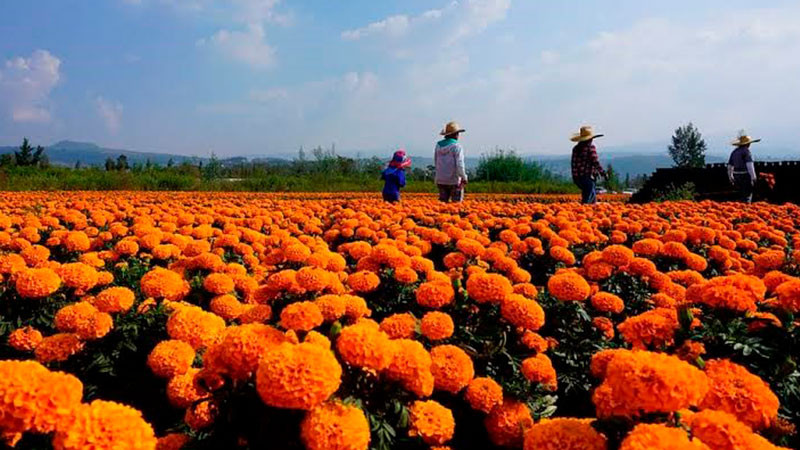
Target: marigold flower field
{"points": [[335, 321]]}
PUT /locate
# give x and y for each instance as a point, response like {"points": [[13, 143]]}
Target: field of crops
{"points": [[134, 320]]}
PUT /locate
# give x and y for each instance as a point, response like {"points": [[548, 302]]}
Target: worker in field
{"points": [[741, 170], [394, 176], [585, 165], [451, 175]]}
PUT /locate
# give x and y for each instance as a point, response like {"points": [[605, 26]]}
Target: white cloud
{"points": [[25, 86], [454, 22], [110, 112], [248, 46]]}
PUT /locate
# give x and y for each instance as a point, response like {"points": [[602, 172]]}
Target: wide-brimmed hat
{"points": [[744, 140], [451, 128], [585, 134], [400, 160]]}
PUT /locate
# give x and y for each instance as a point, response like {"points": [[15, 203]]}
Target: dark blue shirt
{"points": [[394, 180], [739, 159]]}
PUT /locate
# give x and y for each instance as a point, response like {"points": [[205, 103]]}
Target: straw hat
{"points": [[451, 128], [744, 140], [585, 134]]}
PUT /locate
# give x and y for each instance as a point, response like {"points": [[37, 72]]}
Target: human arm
{"points": [[460, 165], [595, 161], [401, 178], [730, 173], [751, 169]]}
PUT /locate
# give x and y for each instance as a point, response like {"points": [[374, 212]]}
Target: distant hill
{"points": [[67, 153], [634, 165]]}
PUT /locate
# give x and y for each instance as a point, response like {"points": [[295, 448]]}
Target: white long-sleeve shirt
{"points": [[449, 163]]}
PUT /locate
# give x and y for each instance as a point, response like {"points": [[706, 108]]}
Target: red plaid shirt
{"points": [[584, 162]]}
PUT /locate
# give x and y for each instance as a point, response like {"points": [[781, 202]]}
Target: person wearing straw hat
{"points": [[451, 177], [394, 176], [741, 170], [585, 165]]}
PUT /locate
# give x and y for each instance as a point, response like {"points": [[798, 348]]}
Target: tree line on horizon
{"points": [[323, 168]]}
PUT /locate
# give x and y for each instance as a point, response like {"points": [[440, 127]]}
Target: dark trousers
{"points": [[744, 185], [391, 198], [450, 193], [587, 186]]}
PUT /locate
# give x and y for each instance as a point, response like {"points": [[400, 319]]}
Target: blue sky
{"points": [[255, 77]]}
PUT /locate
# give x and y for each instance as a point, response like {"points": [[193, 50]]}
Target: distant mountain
{"points": [[634, 165], [67, 153]]}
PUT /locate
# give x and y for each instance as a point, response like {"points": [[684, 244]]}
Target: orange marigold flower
{"points": [[318, 338], [25, 339], [356, 307], [605, 325], [721, 431], [522, 312], [399, 326], [170, 358], [363, 281], [642, 267], [647, 247], [34, 398], [104, 424], [628, 375], [568, 286], [405, 275], [617, 255], [675, 250], [564, 433], [11, 263], [488, 287], [313, 279], [411, 366], [735, 292], [454, 259], [363, 344], [483, 394], [508, 422], [689, 351], [77, 241], [126, 247], [332, 306], [775, 278], [696, 262], [70, 317], [770, 260], [58, 347], [789, 295], [599, 271], [99, 325], [201, 415], [527, 290], [432, 422], [534, 341], [562, 255], [239, 349], [114, 300], [470, 247], [452, 368], [218, 283], [164, 284], [607, 303], [301, 316], [737, 391], [172, 441], [78, 276], [437, 325], [194, 326], [654, 328], [37, 283], [184, 390], [539, 369], [227, 306], [335, 426], [660, 437], [35, 255], [435, 294], [255, 314], [297, 376]]}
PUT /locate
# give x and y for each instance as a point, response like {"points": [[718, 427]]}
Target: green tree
{"points": [[612, 183], [688, 149], [122, 162], [110, 165], [78, 164], [627, 180], [7, 160], [170, 163], [213, 169]]}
